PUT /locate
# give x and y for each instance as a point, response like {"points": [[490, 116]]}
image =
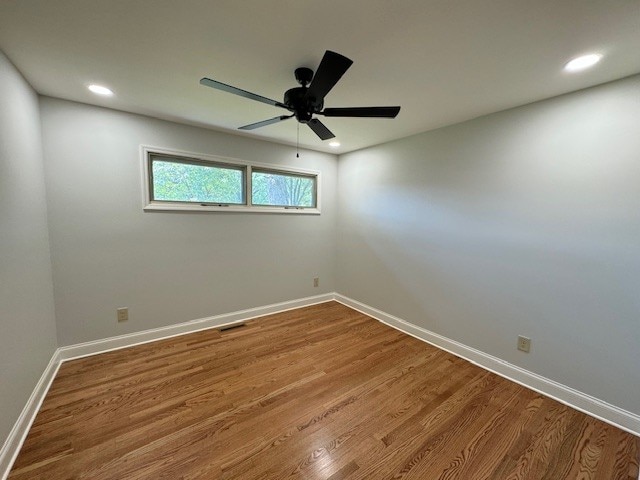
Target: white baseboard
{"points": [[131, 339], [627, 421], [18, 434], [595, 407]]}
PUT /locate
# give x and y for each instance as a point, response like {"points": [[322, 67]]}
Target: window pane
{"points": [[176, 181], [278, 189]]}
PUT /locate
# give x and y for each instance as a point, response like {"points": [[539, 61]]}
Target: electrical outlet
{"points": [[316, 282], [524, 344], [123, 314]]}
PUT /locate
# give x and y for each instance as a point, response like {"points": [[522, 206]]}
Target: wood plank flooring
{"points": [[321, 392]]}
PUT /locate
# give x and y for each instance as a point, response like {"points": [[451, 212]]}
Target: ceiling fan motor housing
{"points": [[303, 108]]}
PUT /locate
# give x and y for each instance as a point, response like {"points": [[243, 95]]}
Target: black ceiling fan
{"points": [[308, 100]]}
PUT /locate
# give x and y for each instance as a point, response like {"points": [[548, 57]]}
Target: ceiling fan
{"points": [[308, 100]]}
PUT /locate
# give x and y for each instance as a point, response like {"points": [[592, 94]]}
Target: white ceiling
{"points": [[443, 61]]}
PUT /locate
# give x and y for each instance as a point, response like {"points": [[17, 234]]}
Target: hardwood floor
{"points": [[322, 392]]}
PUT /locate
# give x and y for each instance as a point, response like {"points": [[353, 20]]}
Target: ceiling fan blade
{"points": [[238, 91], [264, 123], [330, 70], [320, 129], [380, 112]]}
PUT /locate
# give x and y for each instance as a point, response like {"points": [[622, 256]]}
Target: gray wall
{"points": [[522, 222], [167, 267], [27, 323]]}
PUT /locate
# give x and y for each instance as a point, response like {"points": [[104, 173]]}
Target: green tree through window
{"points": [[282, 190], [177, 182], [184, 182]]}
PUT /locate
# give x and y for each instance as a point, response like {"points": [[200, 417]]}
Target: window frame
{"points": [[149, 205]]}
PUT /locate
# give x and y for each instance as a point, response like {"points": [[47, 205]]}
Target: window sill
{"points": [[172, 207]]}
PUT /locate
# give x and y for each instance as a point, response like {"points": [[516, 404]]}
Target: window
{"points": [[282, 189], [183, 181]]}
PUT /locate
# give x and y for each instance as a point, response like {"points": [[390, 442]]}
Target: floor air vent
{"points": [[231, 327]]}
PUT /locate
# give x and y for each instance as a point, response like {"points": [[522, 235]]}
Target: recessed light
{"points": [[100, 90], [580, 63], [334, 144]]}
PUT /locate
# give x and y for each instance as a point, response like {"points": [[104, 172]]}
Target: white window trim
{"points": [[151, 206]]}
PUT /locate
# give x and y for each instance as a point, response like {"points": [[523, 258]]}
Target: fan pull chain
{"points": [[298, 141]]}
